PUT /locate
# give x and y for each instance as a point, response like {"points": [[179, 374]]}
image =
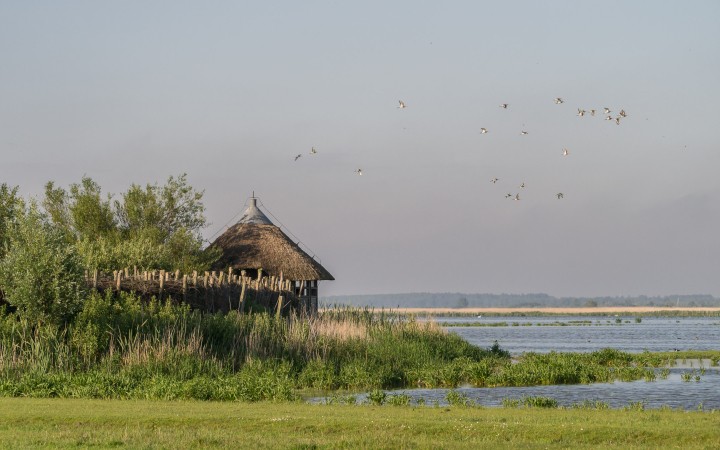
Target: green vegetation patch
{"points": [[118, 347]]}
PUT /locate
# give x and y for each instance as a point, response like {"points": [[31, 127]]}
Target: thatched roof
{"points": [[254, 243]]}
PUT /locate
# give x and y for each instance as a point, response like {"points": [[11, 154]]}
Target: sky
{"points": [[230, 92]]}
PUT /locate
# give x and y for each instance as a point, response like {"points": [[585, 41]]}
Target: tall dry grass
{"points": [[129, 346]]}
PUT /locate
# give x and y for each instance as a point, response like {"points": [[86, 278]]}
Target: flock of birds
{"points": [[565, 152]]}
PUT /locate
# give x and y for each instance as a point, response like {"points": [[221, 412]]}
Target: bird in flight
{"points": [[483, 130], [503, 105], [581, 112], [559, 195], [401, 104], [566, 152], [494, 180], [517, 197], [358, 171], [623, 113], [606, 110], [313, 151], [609, 118], [523, 133], [559, 100], [508, 195], [617, 120], [592, 112], [522, 186], [298, 156]]}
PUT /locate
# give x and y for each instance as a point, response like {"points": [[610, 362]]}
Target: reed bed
{"points": [[122, 347]]}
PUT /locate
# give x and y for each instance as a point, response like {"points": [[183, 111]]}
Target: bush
{"points": [[41, 274]]}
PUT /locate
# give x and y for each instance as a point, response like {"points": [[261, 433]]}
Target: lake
{"points": [[566, 334], [587, 334]]}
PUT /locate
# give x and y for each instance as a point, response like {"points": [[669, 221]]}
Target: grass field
{"points": [[63, 423]]}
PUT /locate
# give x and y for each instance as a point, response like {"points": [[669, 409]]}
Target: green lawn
{"points": [[62, 423]]}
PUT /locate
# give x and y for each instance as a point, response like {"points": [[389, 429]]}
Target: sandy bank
{"points": [[582, 310]]}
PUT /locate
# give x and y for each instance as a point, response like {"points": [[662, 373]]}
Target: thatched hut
{"points": [[255, 244]]}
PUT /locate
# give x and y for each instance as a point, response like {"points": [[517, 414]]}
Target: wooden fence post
{"points": [[241, 303], [184, 288]]}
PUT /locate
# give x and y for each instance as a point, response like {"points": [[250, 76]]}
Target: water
{"points": [[672, 392], [652, 334]]}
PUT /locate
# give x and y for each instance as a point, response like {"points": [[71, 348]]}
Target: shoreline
{"points": [[559, 310]]}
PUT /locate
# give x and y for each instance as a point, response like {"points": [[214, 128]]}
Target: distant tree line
{"points": [[461, 300]]}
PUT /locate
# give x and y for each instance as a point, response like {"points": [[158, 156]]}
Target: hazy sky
{"points": [[229, 92]]}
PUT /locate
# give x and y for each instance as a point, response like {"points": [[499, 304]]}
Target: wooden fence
{"points": [[210, 291]]}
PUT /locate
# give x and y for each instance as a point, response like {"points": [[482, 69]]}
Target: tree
{"points": [[152, 227], [171, 217], [81, 213], [41, 274], [10, 205], [175, 207]]}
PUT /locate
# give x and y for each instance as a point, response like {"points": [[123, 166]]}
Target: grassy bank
{"points": [[122, 348], [40, 423]]}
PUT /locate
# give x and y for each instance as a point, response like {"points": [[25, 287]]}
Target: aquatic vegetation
{"points": [[455, 398], [540, 402], [339, 399], [530, 402], [635, 406], [377, 397], [398, 400], [590, 404]]}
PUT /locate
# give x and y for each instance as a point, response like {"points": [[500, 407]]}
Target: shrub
{"points": [[41, 274]]}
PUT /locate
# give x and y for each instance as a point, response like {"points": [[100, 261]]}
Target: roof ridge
{"points": [[253, 215]]}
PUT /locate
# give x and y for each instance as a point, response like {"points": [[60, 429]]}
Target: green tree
{"points": [[152, 227], [41, 273], [175, 207], [10, 205], [171, 217], [81, 213]]}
